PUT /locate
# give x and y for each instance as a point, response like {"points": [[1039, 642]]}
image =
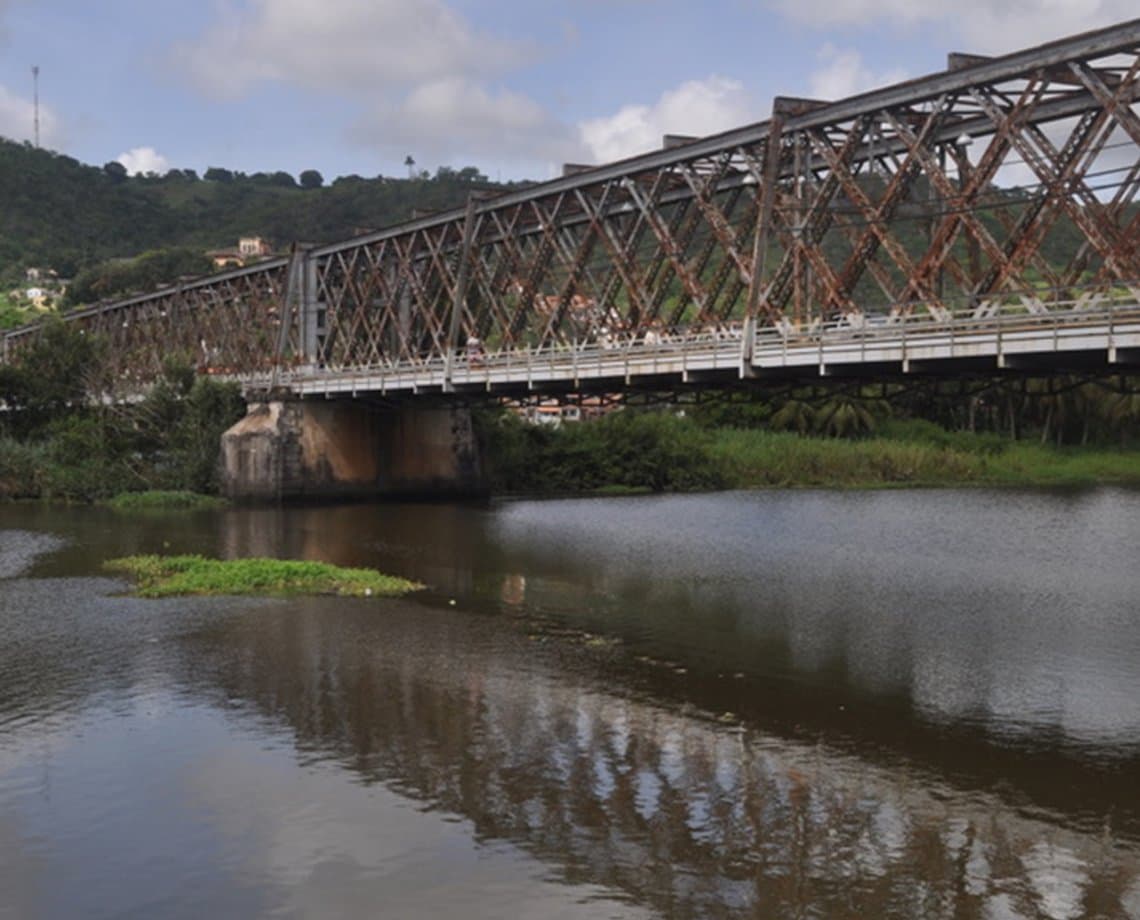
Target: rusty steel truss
{"points": [[1000, 184]]}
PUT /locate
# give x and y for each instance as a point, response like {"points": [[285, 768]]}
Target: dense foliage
{"points": [[1053, 431], [122, 277], [62, 214], [56, 441], [657, 451]]}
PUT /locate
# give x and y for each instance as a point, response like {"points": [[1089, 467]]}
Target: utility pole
{"points": [[36, 100]]}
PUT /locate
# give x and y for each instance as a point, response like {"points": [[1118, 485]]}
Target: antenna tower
{"points": [[36, 97]]}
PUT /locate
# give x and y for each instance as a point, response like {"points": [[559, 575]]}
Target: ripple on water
{"points": [[19, 549]]}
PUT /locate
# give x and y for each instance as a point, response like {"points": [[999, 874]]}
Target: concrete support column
{"points": [[297, 450]]}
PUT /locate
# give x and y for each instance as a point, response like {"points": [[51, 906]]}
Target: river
{"points": [[767, 704]]}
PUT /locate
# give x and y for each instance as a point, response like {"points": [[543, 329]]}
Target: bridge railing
{"points": [[612, 354], [1089, 308], [727, 346]]}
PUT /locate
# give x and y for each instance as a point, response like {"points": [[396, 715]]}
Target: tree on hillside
{"points": [[310, 178], [116, 170], [120, 277], [466, 174], [61, 214]]}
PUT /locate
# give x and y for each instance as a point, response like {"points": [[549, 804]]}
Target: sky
{"points": [[514, 87]]}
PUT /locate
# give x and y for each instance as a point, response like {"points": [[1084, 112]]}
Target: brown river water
{"points": [[770, 704]]}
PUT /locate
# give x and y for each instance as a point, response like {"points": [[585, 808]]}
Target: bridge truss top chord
{"points": [[1001, 187]]}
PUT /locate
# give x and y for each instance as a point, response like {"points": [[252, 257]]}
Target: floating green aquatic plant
{"points": [[167, 576]]}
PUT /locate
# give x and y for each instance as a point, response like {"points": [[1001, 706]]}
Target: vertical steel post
{"points": [[460, 294], [310, 321], [764, 222], [287, 311]]}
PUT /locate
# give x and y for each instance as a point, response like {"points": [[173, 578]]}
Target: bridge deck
{"points": [[1073, 339]]}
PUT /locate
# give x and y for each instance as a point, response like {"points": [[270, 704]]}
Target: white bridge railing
{"points": [[1088, 324]]}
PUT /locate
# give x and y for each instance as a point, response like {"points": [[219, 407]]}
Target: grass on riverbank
{"points": [[662, 452], [759, 459], [165, 501], [168, 576]]}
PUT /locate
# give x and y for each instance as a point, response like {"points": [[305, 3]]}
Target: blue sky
{"points": [[515, 88]]}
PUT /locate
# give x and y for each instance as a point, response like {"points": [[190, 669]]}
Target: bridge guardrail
{"points": [[723, 347]]}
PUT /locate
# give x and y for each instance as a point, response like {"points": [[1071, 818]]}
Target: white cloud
{"points": [[454, 117], [355, 46], [17, 120], [142, 160], [844, 74], [697, 107], [419, 73], [987, 26]]}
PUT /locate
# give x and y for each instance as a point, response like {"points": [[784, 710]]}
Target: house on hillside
{"points": [[38, 297], [248, 250]]}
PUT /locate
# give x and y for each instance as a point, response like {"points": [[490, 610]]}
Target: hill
{"points": [[64, 215]]}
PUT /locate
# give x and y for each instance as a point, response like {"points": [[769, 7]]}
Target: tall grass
{"points": [[756, 458], [1030, 464], [768, 458]]}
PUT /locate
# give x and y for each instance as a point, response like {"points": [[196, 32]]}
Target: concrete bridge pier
{"points": [[297, 449]]}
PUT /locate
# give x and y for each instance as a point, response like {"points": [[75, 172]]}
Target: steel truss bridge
{"points": [[980, 219]]}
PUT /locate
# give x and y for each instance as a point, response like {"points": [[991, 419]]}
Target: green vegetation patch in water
{"points": [[165, 501], [169, 576]]}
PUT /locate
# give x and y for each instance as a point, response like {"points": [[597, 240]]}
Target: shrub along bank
{"points": [[653, 451], [57, 442]]}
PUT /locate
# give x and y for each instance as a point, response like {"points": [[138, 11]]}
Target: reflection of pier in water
{"points": [[690, 816]]}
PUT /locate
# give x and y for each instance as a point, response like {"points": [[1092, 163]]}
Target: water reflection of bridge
{"points": [[555, 745], [689, 815]]}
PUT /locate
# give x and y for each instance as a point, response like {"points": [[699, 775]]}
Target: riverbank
{"points": [[766, 459], [665, 454], [58, 444], [661, 452]]}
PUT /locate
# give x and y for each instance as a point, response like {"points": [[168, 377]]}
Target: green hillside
{"points": [[60, 214]]}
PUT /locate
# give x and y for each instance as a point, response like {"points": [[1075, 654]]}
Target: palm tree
{"points": [[794, 415], [1122, 410], [844, 416]]}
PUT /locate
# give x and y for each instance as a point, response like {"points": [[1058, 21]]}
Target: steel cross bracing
{"points": [[226, 324], [1001, 192]]}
